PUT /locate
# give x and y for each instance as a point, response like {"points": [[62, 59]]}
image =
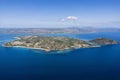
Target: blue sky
{"points": [[59, 13]]}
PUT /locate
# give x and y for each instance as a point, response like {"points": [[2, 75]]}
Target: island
{"points": [[104, 41], [49, 43]]}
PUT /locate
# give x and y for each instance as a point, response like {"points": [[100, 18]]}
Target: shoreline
{"points": [[27, 47], [48, 50], [59, 43]]}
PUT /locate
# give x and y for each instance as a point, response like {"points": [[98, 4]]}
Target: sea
{"points": [[100, 63]]}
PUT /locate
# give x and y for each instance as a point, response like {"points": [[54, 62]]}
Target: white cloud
{"points": [[72, 18], [70, 21], [69, 18]]}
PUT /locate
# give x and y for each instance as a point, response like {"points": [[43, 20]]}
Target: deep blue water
{"points": [[81, 64]]}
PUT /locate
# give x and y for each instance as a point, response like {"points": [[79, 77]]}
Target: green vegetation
{"points": [[56, 43], [104, 41], [48, 43]]}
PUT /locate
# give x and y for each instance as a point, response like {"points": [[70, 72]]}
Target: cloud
{"points": [[69, 18], [72, 18], [70, 21]]}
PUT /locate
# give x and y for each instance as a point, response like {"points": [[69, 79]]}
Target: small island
{"points": [[104, 41], [49, 43]]}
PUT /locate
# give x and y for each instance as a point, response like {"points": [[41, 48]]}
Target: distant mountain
{"points": [[56, 30]]}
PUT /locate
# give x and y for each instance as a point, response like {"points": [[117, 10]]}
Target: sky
{"points": [[59, 13]]}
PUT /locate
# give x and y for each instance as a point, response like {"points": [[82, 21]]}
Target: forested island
{"points": [[49, 43]]}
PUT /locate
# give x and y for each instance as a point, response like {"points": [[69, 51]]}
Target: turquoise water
{"points": [[101, 63]]}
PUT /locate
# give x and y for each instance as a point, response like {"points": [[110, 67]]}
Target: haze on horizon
{"points": [[59, 13]]}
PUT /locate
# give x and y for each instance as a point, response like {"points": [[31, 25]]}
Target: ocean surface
{"points": [[101, 63]]}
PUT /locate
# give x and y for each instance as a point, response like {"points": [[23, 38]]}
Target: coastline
{"points": [[27, 47], [76, 43], [48, 50]]}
